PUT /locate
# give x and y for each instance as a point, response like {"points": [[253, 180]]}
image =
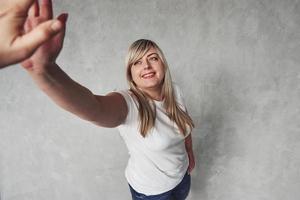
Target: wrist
{"points": [[39, 67]]}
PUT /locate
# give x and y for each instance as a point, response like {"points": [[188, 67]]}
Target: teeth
{"points": [[148, 75]]}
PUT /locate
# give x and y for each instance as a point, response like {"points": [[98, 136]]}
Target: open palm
{"points": [[48, 52]]}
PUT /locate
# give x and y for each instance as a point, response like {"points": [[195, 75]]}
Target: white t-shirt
{"points": [[159, 161]]}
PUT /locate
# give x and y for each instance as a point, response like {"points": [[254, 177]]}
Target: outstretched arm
{"points": [[107, 111], [15, 46]]}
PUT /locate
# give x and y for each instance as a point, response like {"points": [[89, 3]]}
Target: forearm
{"points": [[189, 147], [189, 144], [65, 92]]}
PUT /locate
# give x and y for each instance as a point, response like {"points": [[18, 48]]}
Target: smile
{"points": [[148, 75]]}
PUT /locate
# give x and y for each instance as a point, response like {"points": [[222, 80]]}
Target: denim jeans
{"points": [[180, 192]]}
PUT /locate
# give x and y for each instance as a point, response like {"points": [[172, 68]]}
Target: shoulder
{"points": [[178, 95], [127, 95], [131, 103], [177, 90]]}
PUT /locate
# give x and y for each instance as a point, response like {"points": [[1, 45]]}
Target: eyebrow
{"points": [[152, 54]]}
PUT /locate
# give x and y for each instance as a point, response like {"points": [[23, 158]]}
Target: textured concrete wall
{"points": [[237, 62]]}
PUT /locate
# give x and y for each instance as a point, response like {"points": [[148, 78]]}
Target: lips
{"points": [[148, 75]]}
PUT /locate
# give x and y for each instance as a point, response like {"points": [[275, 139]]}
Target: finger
{"points": [[46, 10], [27, 26], [34, 9], [29, 42], [60, 36], [63, 18]]}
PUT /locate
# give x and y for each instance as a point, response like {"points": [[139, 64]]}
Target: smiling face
{"points": [[148, 71]]}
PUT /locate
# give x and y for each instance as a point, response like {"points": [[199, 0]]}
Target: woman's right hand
{"points": [[49, 51]]}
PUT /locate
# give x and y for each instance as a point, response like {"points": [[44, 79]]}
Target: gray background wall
{"points": [[237, 62]]}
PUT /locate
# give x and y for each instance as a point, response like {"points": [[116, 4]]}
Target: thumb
{"points": [[63, 19]]}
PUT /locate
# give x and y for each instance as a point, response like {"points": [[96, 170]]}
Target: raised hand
{"points": [[48, 51], [15, 45]]}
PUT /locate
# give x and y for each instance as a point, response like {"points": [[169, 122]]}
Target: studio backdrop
{"points": [[237, 63]]}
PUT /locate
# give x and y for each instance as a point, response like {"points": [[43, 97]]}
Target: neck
{"points": [[155, 93]]}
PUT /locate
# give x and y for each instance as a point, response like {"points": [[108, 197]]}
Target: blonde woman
{"points": [[151, 116]]}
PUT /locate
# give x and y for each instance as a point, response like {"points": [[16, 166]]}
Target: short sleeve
{"points": [[180, 100], [179, 97], [131, 105]]}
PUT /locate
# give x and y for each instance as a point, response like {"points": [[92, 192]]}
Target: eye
{"points": [[137, 62], [154, 58]]}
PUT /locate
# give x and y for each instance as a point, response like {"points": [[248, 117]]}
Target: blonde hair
{"points": [[147, 111]]}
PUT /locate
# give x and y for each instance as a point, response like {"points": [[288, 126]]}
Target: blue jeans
{"points": [[180, 192]]}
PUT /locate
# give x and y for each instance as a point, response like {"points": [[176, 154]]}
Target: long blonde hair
{"points": [[147, 111]]}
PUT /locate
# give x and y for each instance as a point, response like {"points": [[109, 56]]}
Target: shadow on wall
{"points": [[214, 130]]}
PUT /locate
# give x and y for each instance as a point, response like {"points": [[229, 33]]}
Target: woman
{"points": [[150, 116], [16, 46]]}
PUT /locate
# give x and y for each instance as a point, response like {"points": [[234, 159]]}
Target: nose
{"points": [[147, 65]]}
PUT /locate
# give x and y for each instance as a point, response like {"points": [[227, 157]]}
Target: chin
{"points": [[151, 86]]}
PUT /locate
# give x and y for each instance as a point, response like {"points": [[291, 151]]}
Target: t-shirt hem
{"points": [[157, 192]]}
